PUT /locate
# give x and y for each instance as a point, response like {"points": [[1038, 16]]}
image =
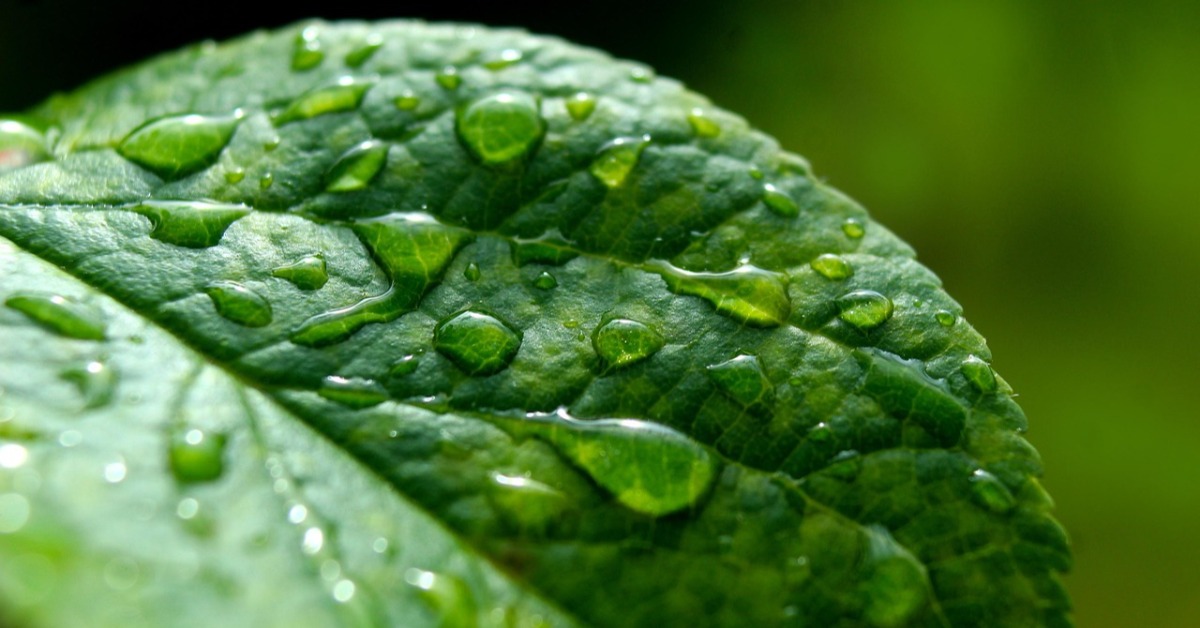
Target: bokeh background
{"points": [[1043, 158]]}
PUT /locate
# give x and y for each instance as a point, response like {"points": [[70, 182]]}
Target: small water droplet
{"points": [[176, 146], [779, 201], [756, 173], [641, 74], [191, 224], [297, 514], [471, 272], [355, 169], [743, 380], [864, 309], [307, 273], [448, 78], [979, 373], [379, 545], [353, 392], [114, 472], [545, 281], [407, 101], [266, 181], [832, 266], [854, 228], [313, 541], [20, 145], [945, 318], [702, 125], [895, 587], [989, 492], [845, 466], [622, 342], [360, 55], [97, 383], [13, 455], [306, 52], [63, 316], [273, 143], [617, 159], [235, 175], [344, 95], [187, 508], [450, 598], [477, 343], [196, 456], [580, 106], [747, 294], [502, 59], [501, 128], [404, 366], [240, 304], [343, 591]]}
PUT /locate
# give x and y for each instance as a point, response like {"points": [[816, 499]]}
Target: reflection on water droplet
{"points": [[622, 342], [195, 456], [471, 272], [235, 175], [854, 228], [747, 294], [864, 309], [344, 95], [501, 128], [702, 125], [14, 512], [945, 318], [979, 373], [580, 106], [20, 145], [832, 266], [617, 159], [176, 146], [239, 304], [297, 514], [191, 224], [448, 78], [355, 169], [502, 59], [307, 273], [58, 314], [779, 201], [404, 366], [743, 380], [13, 455], [355, 58], [306, 50], [353, 392], [989, 492], [477, 343], [545, 281]]}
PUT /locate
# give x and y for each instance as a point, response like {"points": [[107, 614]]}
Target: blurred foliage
{"points": [[1040, 156]]}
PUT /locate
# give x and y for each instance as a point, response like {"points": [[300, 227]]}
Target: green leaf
{"points": [[415, 325]]}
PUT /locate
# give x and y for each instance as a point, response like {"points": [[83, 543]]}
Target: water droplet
{"points": [[545, 281], [297, 514], [979, 373], [13, 455], [989, 492], [176, 146], [471, 272], [192, 224], [313, 541], [743, 380], [407, 101], [448, 77], [450, 598], [20, 145], [945, 318], [343, 591], [702, 124], [502, 59], [756, 173], [273, 143], [779, 201], [580, 106], [239, 303], [353, 392], [553, 251], [97, 383], [864, 309], [355, 169], [895, 586], [187, 508], [845, 466], [266, 181], [641, 75], [345, 95], [235, 176], [832, 266], [196, 456], [414, 250], [60, 315], [307, 273], [404, 366], [747, 294], [501, 128], [114, 472], [477, 343], [648, 467], [622, 342], [360, 55], [904, 390], [306, 51], [14, 512], [617, 159], [530, 504], [854, 228], [379, 545]]}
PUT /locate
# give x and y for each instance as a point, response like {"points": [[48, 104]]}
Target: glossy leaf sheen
{"points": [[401, 324]]}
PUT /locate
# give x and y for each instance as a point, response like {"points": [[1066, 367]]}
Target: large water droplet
{"points": [[779, 201], [307, 273], [702, 125], [345, 95], [989, 492], [20, 145], [194, 224], [355, 169], [177, 146], [306, 51], [979, 373], [832, 266], [864, 309], [352, 392], [355, 58], [448, 78], [895, 586], [477, 343], [448, 597], [501, 128], [743, 380], [622, 342], [59, 314], [648, 467], [617, 159], [580, 106], [196, 456], [97, 383], [239, 303], [747, 293]]}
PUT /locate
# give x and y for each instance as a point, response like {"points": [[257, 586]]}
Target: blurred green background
{"points": [[1041, 156]]}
